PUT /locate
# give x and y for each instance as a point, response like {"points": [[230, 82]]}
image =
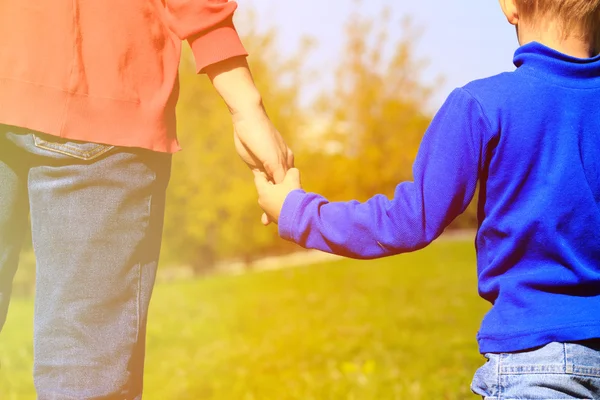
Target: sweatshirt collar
{"points": [[562, 69]]}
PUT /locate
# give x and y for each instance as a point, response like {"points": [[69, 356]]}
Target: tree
{"points": [[377, 115], [212, 212]]}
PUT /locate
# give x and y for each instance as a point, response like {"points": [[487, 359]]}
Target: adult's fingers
{"points": [[290, 158], [275, 171]]}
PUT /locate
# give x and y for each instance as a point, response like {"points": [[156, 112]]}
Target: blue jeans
{"points": [[96, 221], [557, 371]]}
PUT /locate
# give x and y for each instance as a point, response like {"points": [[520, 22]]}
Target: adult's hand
{"points": [[256, 140], [261, 146]]}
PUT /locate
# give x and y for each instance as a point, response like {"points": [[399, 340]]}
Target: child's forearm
{"points": [[376, 228], [445, 178]]}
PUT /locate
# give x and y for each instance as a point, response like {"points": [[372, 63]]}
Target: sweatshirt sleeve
{"points": [[208, 26], [445, 175]]}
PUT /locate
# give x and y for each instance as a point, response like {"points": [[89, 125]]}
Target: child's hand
{"points": [[271, 196]]}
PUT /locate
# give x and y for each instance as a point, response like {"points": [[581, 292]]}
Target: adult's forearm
{"points": [[233, 81]]}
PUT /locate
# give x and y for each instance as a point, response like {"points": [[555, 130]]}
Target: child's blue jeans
{"points": [[96, 221], [557, 371]]}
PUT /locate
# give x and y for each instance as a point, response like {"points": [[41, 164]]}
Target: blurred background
{"points": [[240, 314]]}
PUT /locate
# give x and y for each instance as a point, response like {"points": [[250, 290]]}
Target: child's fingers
{"points": [[260, 179], [293, 176], [265, 219], [261, 174]]}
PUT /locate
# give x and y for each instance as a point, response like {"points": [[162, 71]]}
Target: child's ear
{"points": [[509, 7]]}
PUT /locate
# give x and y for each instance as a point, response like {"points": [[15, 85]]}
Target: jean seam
{"points": [[139, 265], [140, 272], [499, 383], [525, 369], [568, 366], [138, 301], [586, 371]]}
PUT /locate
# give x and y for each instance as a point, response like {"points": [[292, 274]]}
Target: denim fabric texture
{"points": [[96, 214], [556, 371]]}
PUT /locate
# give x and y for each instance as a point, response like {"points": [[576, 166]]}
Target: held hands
{"points": [[262, 148], [271, 196], [260, 145], [256, 139]]}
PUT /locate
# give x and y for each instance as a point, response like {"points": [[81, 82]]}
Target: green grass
{"points": [[396, 328]]}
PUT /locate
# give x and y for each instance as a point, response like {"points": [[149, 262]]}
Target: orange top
{"points": [[106, 71]]}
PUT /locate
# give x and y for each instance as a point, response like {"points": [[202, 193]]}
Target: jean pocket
{"points": [[555, 371], [81, 150], [583, 358], [547, 359]]}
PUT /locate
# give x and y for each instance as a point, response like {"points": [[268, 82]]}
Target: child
{"points": [[532, 139]]}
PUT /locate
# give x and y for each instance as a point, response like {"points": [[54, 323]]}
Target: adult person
{"points": [[87, 106]]}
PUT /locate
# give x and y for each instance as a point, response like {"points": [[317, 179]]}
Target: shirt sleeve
{"points": [[445, 175], [208, 27]]}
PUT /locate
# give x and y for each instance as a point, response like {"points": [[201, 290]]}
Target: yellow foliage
{"points": [[358, 140]]}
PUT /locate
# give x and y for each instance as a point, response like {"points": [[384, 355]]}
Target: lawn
{"points": [[397, 328]]}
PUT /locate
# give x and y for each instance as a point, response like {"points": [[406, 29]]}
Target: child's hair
{"points": [[584, 14]]}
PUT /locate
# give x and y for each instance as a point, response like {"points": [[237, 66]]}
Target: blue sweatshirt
{"points": [[531, 138]]}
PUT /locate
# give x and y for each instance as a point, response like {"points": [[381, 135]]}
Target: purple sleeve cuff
{"points": [[291, 207]]}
